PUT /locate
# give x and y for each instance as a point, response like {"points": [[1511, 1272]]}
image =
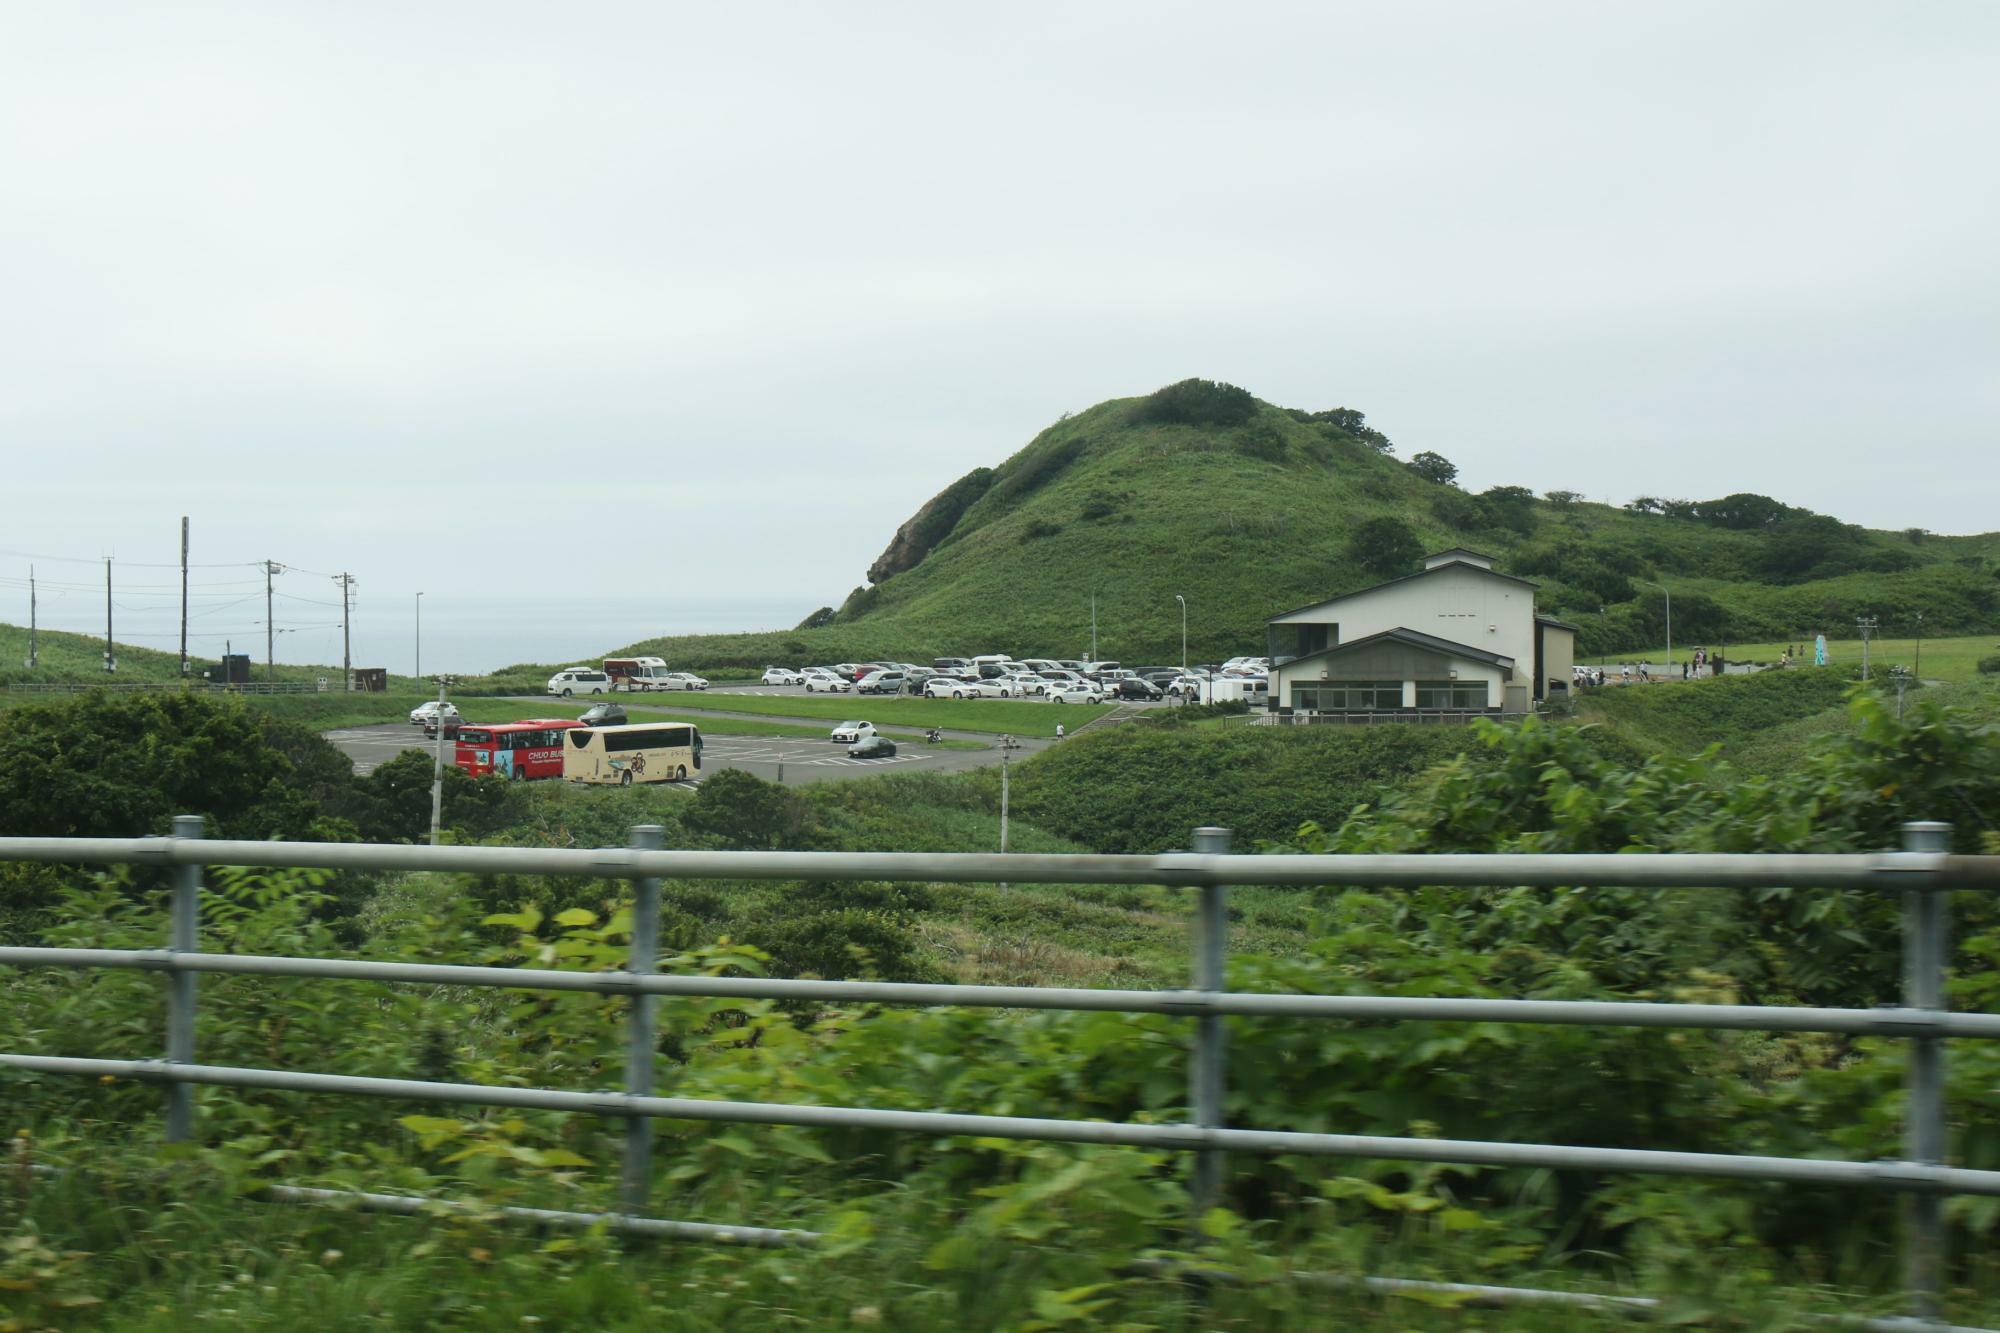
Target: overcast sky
{"points": [[519, 299]]}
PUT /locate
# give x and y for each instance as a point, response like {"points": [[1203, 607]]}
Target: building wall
{"points": [[1459, 603], [1558, 655], [1387, 661]]}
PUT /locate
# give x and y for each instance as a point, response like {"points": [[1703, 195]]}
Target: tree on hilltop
{"points": [[1433, 467]]}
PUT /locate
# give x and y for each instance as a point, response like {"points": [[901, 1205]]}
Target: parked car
{"points": [[827, 680], [1025, 685], [1066, 693], [880, 682], [603, 715], [940, 687], [971, 689], [783, 676], [845, 670], [1132, 687], [428, 715], [682, 680], [949, 665], [873, 747], [579, 680], [849, 732]]}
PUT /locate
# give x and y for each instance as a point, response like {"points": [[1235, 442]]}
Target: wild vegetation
{"points": [[984, 1235]]}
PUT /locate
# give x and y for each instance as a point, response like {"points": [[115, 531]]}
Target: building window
{"points": [[1348, 696], [1283, 643], [1458, 694]]}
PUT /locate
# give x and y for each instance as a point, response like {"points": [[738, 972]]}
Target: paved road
{"points": [[791, 760]]}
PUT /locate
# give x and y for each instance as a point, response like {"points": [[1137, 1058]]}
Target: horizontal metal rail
{"points": [[1639, 870], [1885, 1022], [410, 1206], [1180, 1138], [1921, 873]]}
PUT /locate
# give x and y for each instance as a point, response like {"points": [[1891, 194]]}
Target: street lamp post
{"points": [[1183, 601], [419, 672], [1670, 618]]}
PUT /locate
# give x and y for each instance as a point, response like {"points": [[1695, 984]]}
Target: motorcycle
{"points": [[934, 737]]}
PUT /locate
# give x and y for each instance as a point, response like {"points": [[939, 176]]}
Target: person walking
{"points": [[1059, 731]]}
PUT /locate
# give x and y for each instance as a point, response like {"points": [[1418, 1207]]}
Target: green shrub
{"points": [[1038, 529], [1990, 665], [1197, 402], [1260, 440]]}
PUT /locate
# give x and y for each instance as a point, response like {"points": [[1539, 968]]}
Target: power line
{"points": [[133, 564]]}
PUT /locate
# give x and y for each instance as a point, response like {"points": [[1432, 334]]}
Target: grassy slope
{"points": [[1948, 659], [1243, 538]]}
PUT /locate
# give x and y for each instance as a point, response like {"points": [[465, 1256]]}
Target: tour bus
{"points": [[644, 752], [519, 750]]}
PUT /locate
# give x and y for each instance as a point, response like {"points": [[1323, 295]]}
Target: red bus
{"points": [[518, 750]]}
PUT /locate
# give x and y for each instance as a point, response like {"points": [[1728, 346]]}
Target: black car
{"points": [[872, 747], [1134, 688], [603, 715]]}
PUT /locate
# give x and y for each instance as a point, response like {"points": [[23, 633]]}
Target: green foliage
{"points": [[1990, 665], [393, 803], [1433, 467], [743, 812], [1038, 529], [1141, 788], [1260, 440], [117, 765], [1197, 402], [1384, 546], [1509, 507]]}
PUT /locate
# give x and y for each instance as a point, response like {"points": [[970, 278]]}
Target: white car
{"points": [[579, 680], [1064, 693], [849, 732], [783, 676], [427, 714], [978, 689], [1024, 684], [682, 680], [821, 678]]}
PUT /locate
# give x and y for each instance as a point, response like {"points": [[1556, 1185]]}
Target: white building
{"points": [[1455, 639]]}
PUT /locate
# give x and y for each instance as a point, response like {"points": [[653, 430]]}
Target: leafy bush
{"points": [[1384, 546], [1100, 504], [1990, 665], [1197, 402], [1037, 529], [1433, 467], [1260, 440], [1034, 471]]}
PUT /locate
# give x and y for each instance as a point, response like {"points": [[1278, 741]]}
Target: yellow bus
{"points": [[647, 752]]}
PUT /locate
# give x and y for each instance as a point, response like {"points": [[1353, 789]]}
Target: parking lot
{"points": [[790, 761]]}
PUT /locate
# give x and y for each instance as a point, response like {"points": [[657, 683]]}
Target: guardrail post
{"points": [[641, 1041], [183, 937], [1926, 948], [1206, 1070]]}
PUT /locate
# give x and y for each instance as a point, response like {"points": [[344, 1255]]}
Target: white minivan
{"points": [[579, 680]]}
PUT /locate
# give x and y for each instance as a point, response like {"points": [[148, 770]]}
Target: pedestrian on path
{"points": [[1059, 731]]}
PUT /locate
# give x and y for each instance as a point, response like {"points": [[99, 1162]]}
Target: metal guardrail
{"points": [[1923, 873]]}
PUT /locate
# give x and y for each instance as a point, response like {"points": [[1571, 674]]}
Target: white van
{"points": [[579, 680]]}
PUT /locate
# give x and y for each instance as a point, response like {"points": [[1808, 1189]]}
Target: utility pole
{"points": [[419, 672], [1866, 624], [1919, 670], [1183, 601], [270, 656], [346, 582], [437, 762], [33, 638], [110, 661], [1093, 624], [184, 595]]}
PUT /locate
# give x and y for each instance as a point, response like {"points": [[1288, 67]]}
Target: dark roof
{"points": [[1459, 550], [1414, 638], [1559, 624], [1420, 574]]}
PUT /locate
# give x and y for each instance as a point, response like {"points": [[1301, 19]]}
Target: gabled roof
{"points": [[1559, 624], [1420, 574], [1458, 550], [1415, 639]]}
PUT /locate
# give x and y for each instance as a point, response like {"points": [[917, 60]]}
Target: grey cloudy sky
{"points": [[517, 299]]}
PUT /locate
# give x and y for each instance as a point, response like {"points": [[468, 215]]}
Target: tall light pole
{"points": [[1183, 601], [1670, 617], [437, 763], [419, 672]]}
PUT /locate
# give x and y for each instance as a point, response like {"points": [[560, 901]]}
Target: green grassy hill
{"points": [[1247, 509]]}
